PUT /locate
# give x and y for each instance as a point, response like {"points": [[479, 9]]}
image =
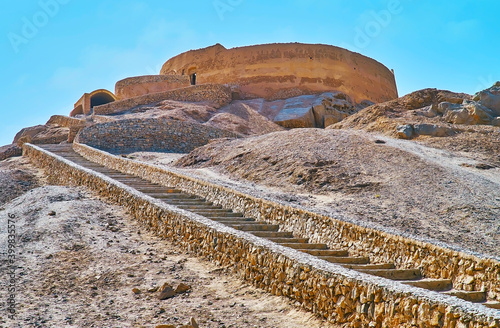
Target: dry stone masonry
{"points": [[467, 271], [335, 293], [217, 94], [150, 135]]}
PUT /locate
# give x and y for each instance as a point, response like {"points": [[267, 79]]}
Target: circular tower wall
{"points": [[281, 70]]}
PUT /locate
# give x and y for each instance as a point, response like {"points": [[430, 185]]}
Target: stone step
{"points": [[395, 274], [492, 304], [325, 252], [100, 169], [369, 266], [167, 197], [177, 202], [218, 213], [126, 180], [272, 234], [197, 206], [346, 259], [153, 189], [82, 161], [237, 222], [289, 240], [241, 219], [143, 184], [438, 285], [475, 297], [125, 176], [303, 246], [256, 227]]}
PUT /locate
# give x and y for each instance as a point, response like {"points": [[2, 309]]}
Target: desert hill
{"points": [[438, 118], [423, 167], [368, 177]]}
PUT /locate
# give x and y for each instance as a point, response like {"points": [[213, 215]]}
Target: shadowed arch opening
{"points": [[100, 98], [192, 74]]}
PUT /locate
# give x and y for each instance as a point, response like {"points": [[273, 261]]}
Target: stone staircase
{"points": [[272, 232]]}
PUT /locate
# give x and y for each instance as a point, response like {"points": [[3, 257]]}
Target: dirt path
{"points": [[79, 259], [455, 161]]}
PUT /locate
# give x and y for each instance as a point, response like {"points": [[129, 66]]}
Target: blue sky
{"points": [[53, 51]]}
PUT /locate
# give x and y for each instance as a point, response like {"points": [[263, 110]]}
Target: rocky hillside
{"points": [[438, 118], [368, 177]]}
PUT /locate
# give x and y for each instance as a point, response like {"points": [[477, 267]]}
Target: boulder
{"points": [[42, 134], [458, 116], [445, 106], [495, 121], [311, 111], [433, 130], [470, 112], [332, 107], [297, 112], [452, 97], [29, 132], [408, 131], [490, 98], [479, 113], [428, 111], [404, 131], [10, 151]]}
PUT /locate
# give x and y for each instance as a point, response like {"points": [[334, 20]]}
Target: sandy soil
{"points": [[369, 179], [79, 259]]}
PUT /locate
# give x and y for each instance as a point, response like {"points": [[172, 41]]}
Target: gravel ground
{"points": [[83, 263]]}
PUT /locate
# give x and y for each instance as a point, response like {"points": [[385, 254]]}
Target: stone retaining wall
{"points": [[151, 134], [342, 296], [218, 94], [467, 271]]}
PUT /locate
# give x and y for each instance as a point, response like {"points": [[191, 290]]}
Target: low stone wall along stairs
{"points": [[342, 287]]}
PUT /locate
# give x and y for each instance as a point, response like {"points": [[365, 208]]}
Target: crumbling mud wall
{"points": [[142, 85], [284, 70]]}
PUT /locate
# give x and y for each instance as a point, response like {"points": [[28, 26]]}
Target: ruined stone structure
{"points": [[142, 85], [277, 71], [153, 134], [88, 101], [272, 72]]}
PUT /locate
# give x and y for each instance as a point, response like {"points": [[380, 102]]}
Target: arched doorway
{"points": [[100, 98]]}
